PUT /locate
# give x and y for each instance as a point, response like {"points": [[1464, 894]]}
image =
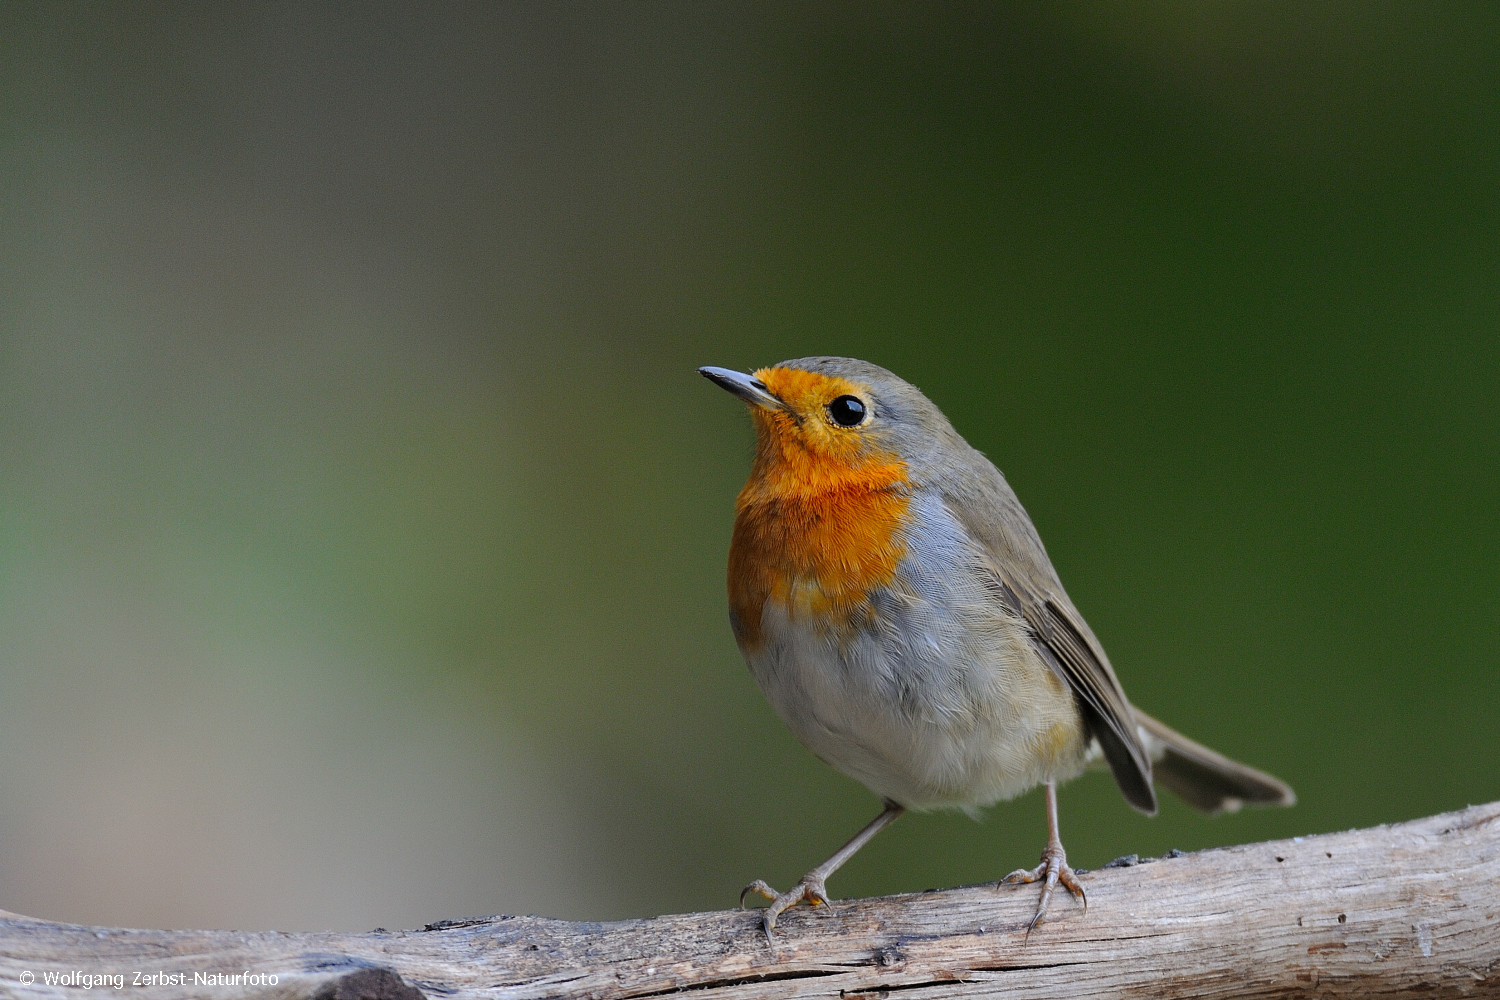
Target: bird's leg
{"points": [[811, 888], [1054, 867]]}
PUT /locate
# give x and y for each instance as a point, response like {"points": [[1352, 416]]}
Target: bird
{"points": [[895, 605]]}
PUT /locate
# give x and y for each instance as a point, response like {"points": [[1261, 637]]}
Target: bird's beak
{"points": [[751, 390]]}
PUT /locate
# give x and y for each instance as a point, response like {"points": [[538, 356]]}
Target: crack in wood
{"points": [[1418, 906]]}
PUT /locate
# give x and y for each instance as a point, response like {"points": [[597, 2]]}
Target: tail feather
{"points": [[1206, 780]]}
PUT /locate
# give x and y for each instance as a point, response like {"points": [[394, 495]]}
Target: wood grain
{"points": [[1408, 910]]}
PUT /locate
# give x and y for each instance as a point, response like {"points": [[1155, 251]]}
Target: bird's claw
{"points": [[809, 890], [1053, 869]]}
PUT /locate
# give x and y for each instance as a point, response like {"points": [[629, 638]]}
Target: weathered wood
{"points": [[1406, 910]]}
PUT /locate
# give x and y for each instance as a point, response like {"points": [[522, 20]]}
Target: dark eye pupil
{"points": [[846, 411]]}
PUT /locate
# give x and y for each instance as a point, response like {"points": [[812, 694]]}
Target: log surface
{"points": [[1408, 910]]}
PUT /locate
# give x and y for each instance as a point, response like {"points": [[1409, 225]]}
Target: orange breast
{"points": [[815, 534]]}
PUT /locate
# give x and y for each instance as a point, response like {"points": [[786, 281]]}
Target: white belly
{"points": [[941, 702]]}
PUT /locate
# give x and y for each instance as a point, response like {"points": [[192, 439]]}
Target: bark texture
{"points": [[1409, 910]]}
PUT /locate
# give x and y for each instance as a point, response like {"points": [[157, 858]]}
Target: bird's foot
{"points": [[810, 890], [1053, 869]]}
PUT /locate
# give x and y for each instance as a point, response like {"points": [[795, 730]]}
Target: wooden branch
{"points": [[1396, 911]]}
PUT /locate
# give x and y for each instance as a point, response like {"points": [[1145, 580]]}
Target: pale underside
{"points": [[938, 698]]}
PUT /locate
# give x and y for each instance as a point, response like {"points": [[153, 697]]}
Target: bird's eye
{"points": [[847, 411]]}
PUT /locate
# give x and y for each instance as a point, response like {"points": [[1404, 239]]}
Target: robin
{"points": [[899, 612]]}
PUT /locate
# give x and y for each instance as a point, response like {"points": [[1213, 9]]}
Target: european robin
{"points": [[898, 610]]}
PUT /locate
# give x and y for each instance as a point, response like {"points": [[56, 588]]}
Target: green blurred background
{"points": [[363, 520]]}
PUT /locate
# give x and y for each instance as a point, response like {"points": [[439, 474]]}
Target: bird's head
{"points": [[828, 422]]}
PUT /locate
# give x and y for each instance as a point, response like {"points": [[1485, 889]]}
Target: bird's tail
{"points": [[1206, 780]]}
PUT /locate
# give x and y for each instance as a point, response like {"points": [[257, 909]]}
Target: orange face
{"points": [[817, 526]]}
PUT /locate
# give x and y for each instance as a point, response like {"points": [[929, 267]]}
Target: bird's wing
{"points": [[1029, 585], [1066, 649]]}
